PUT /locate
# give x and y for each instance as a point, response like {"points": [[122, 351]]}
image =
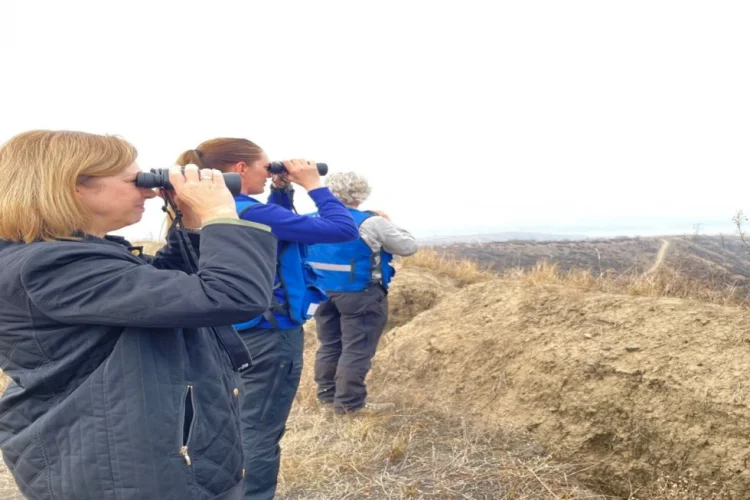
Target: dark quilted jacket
{"points": [[121, 390]]}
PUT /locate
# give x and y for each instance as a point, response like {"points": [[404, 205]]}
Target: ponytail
{"points": [[193, 156], [221, 154]]}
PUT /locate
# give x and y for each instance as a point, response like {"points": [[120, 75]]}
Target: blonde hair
{"points": [[39, 171], [349, 187]]}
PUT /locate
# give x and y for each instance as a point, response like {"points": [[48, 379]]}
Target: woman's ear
{"points": [[239, 167], [81, 188]]}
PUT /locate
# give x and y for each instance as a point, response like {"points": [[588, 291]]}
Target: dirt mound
{"points": [[412, 291], [632, 388]]}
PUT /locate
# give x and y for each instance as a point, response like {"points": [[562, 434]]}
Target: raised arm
{"points": [[105, 285], [333, 224]]}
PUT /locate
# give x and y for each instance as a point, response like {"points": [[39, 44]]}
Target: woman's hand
{"points": [[203, 195], [303, 172]]}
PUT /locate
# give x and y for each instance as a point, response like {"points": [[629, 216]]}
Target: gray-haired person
{"points": [[356, 276]]}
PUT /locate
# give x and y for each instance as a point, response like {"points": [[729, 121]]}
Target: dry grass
{"points": [[662, 283], [463, 271], [415, 452], [666, 488]]}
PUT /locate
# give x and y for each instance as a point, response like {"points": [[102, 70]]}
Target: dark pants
{"points": [[268, 390], [349, 328]]}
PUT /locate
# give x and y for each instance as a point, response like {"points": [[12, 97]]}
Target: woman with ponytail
{"points": [[275, 338]]}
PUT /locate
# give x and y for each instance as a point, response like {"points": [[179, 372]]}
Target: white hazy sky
{"points": [[465, 116]]}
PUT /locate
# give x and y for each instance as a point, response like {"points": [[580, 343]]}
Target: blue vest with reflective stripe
{"points": [[294, 277], [347, 267]]}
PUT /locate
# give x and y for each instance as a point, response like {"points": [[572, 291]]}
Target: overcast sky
{"points": [[465, 116]]}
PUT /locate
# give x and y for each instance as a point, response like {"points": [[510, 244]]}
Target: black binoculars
{"points": [[277, 167], [159, 178]]}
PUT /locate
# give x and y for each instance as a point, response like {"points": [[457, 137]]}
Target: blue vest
{"points": [[347, 267], [294, 277]]}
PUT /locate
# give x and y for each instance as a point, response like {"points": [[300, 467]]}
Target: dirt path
{"points": [[659, 256]]}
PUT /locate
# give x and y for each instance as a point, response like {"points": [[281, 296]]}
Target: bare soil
{"points": [[636, 388]]}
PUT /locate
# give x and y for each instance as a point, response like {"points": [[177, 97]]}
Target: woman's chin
{"points": [[133, 220]]}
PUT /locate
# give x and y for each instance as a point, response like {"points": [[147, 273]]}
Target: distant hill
{"points": [[504, 236], [718, 261]]}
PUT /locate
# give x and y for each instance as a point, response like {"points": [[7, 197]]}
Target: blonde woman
{"points": [[123, 377]]}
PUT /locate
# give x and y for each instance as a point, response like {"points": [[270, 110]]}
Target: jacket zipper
{"points": [[184, 453], [184, 448]]}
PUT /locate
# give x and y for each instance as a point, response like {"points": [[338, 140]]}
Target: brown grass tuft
{"points": [[664, 282], [463, 271]]}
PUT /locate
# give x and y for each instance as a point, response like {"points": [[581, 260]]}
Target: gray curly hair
{"points": [[349, 187]]}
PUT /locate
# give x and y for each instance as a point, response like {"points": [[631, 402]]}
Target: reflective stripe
{"points": [[331, 267]]}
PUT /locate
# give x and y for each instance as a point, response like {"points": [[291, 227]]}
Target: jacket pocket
{"points": [[187, 420]]}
